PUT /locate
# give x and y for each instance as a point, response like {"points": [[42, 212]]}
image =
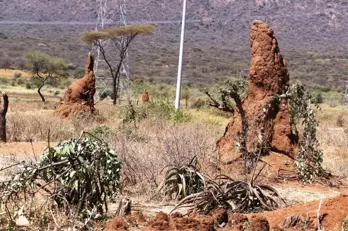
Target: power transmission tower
{"points": [[125, 65], [111, 12]]}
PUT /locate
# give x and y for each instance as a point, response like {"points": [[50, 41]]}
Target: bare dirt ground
{"points": [[29, 96], [22, 148], [303, 201], [8, 73]]}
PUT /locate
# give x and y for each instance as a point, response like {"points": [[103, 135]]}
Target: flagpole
{"points": [[181, 52]]}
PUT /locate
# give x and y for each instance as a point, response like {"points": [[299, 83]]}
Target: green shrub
{"points": [[101, 131], [17, 75], [54, 82], [35, 81], [28, 85], [3, 81], [78, 73], [95, 168], [3, 36], [345, 224], [199, 104], [20, 81], [105, 94], [80, 120], [180, 116], [161, 109], [310, 157], [78, 174], [340, 121], [319, 98], [165, 109]]}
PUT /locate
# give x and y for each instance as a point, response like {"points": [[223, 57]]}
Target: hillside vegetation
{"points": [[312, 35]]}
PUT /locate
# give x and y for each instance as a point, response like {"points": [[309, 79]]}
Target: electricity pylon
{"points": [[111, 12]]}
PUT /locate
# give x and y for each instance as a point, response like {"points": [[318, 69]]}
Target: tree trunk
{"points": [[114, 93], [118, 88], [40, 94], [3, 112]]}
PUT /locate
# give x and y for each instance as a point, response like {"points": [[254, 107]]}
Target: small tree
{"points": [[120, 38], [319, 98], [186, 96], [45, 68]]}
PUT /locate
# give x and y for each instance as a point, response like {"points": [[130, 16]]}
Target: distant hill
{"points": [[313, 34], [295, 21]]}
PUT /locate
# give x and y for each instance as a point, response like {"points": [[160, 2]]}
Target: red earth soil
{"points": [[118, 223], [333, 211], [176, 222], [21, 148]]}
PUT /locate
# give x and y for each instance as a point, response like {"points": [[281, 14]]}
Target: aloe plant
{"points": [[182, 181], [233, 195]]}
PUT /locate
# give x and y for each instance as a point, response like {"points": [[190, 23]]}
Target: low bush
{"points": [[78, 175]]}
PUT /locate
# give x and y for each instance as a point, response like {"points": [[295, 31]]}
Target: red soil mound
{"points": [[259, 224], [125, 223], [176, 222], [236, 222], [118, 223], [333, 211], [268, 76], [79, 96]]}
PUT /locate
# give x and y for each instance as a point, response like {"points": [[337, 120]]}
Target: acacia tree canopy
{"points": [[113, 32], [45, 67], [121, 38]]}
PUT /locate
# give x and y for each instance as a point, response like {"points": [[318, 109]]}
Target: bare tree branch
{"points": [[224, 107]]}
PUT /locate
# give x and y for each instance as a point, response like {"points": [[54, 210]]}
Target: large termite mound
{"points": [[79, 96], [268, 76]]}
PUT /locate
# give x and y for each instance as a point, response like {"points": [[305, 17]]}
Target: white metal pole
{"points": [[181, 52]]}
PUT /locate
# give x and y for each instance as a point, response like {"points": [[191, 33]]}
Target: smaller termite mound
{"points": [[79, 96], [145, 96]]}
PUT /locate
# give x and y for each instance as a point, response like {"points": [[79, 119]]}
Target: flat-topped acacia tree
{"points": [[121, 38]]}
